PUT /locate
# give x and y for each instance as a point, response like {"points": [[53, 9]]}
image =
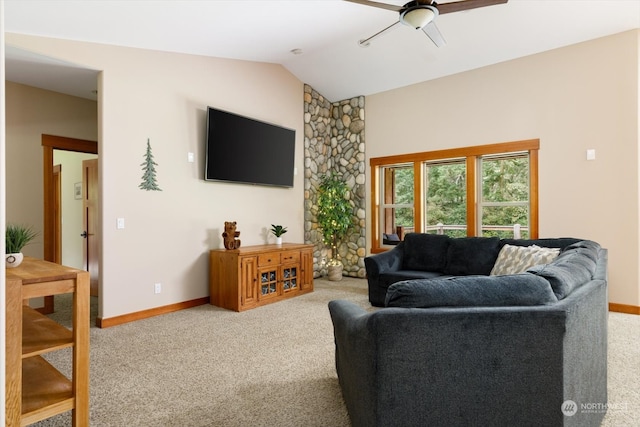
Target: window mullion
{"points": [[533, 194], [376, 215], [472, 195], [418, 197]]}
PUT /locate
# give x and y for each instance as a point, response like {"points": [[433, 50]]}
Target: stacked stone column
{"points": [[334, 142]]}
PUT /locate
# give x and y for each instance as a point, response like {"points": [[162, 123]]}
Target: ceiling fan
{"points": [[421, 14]]}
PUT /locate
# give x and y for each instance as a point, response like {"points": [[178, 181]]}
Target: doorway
{"points": [[51, 235]]}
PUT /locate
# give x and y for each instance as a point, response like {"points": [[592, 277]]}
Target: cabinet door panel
{"points": [[306, 270], [248, 281], [268, 283], [290, 278]]}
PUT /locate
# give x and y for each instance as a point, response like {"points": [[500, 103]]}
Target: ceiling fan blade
{"points": [[377, 4], [459, 6], [432, 31], [365, 42]]}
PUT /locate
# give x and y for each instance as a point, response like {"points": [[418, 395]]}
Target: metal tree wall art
{"points": [[149, 182]]}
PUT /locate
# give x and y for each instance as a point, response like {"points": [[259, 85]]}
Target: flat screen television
{"points": [[244, 150]]}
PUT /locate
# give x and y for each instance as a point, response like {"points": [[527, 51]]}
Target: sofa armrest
{"points": [[355, 358], [384, 262], [375, 265]]}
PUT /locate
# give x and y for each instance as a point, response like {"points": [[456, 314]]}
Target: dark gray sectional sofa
{"points": [[427, 256], [454, 346]]}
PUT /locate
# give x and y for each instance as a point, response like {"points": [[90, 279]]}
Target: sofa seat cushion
{"points": [[472, 291], [517, 259], [574, 267], [387, 279], [426, 252], [472, 255]]}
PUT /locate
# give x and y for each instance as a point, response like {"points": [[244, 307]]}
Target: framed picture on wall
{"points": [[77, 190]]}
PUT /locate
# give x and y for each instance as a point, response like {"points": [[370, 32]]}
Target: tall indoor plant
{"points": [[335, 216]]}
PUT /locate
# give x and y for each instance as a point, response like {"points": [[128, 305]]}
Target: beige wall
{"points": [[163, 96], [573, 99], [31, 112]]}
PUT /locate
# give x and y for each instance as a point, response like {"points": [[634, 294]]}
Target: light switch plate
{"points": [[120, 223]]}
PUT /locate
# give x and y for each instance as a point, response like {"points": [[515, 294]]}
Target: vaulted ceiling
{"points": [[315, 40]]}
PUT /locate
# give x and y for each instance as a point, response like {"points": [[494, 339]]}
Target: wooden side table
{"points": [[35, 390]]}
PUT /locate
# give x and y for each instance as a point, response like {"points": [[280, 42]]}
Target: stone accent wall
{"points": [[334, 142]]}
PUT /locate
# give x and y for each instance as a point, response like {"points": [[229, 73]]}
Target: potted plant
{"points": [[278, 231], [17, 237], [335, 216]]}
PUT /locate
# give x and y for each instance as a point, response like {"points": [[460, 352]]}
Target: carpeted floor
{"points": [[271, 366]]}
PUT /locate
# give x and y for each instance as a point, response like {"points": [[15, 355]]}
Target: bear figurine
{"points": [[230, 235]]}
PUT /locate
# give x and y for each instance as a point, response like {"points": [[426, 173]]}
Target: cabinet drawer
{"points": [[268, 259], [289, 257]]}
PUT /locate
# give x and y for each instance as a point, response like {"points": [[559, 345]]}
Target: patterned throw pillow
{"points": [[517, 259]]}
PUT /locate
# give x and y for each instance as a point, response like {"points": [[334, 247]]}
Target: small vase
{"points": [[279, 240], [13, 260]]}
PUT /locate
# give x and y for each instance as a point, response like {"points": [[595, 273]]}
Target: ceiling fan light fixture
{"points": [[419, 16]]}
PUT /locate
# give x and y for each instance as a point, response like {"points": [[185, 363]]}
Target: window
{"points": [[489, 190], [446, 198], [396, 209], [504, 196]]}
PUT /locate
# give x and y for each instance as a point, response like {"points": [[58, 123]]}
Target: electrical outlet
{"points": [[157, 288]]}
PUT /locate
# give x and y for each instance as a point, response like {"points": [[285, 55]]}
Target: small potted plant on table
{"points": [[17, 237], [278, 231]]}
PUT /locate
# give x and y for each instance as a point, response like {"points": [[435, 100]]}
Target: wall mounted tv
{"points": [[243, 150]]}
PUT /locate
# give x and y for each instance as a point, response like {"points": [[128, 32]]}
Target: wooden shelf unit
{"points": [[251, 276], [35, 390]]}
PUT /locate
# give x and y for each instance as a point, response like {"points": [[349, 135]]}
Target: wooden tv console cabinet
{"points": [[251, 276], [34, 389]]}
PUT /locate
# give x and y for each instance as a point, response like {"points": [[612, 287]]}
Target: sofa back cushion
{"points": [[471, 255], [548, 242], [425, 252], [471, 291], [574, 267]]}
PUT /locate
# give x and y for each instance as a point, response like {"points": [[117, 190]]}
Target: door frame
{"points": [[91, 222], [57, 212], [50, 143]]}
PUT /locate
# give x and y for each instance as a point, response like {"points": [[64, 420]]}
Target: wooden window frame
{"points": [[471, 154], [389, 205]]}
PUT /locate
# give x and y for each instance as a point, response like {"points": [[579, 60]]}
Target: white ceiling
{"points": [[326, 31]]}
